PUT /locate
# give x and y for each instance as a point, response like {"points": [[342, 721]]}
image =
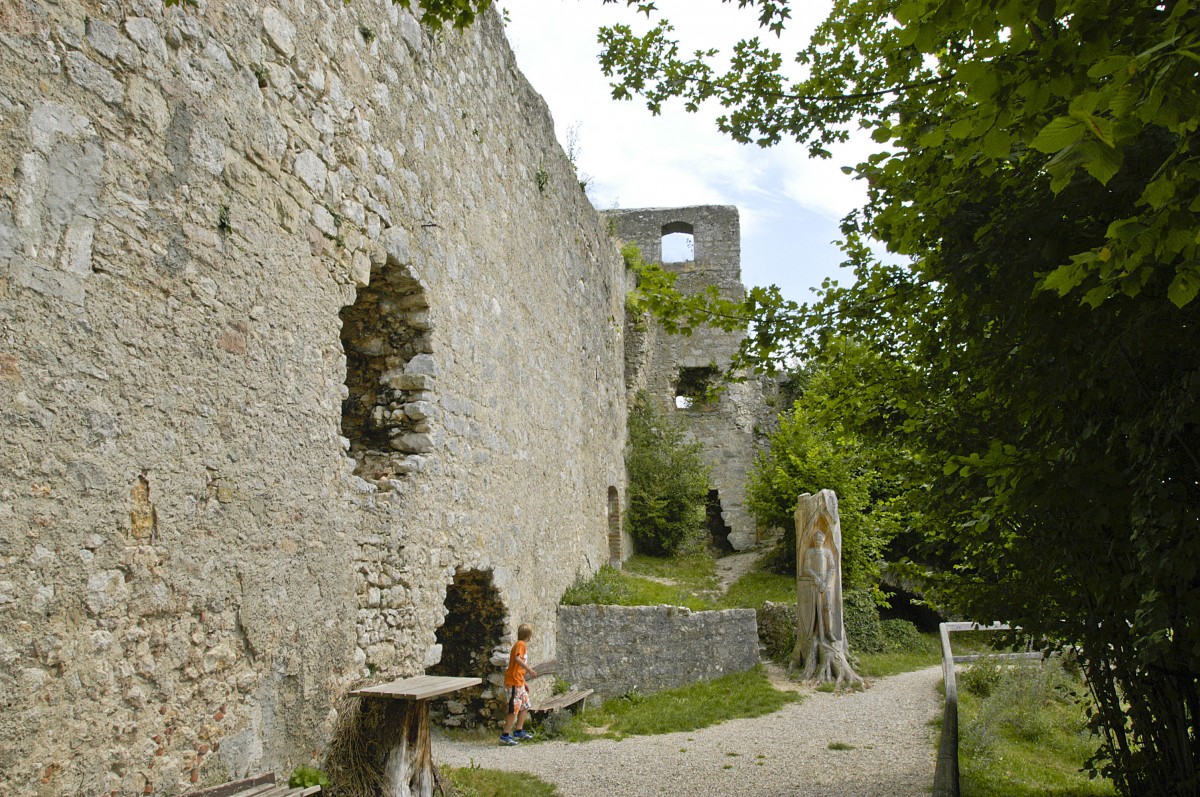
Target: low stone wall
{"points": [[617, 649], [777, 629]]}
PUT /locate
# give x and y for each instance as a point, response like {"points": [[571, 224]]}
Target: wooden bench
{"points": [[263, 785], [565, 700]]}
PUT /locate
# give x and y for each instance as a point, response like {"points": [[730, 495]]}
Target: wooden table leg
{"points": [[409, 768]]}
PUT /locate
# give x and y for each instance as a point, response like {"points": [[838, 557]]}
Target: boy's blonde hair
{"points": [[524, 631]]}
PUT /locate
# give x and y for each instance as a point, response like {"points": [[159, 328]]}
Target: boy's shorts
{"points": [[518, 699]]}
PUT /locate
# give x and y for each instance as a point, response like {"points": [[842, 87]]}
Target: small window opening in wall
{"points": [[388, 410], [718, 531], [472, 630], [678, 243], [692, 387]]}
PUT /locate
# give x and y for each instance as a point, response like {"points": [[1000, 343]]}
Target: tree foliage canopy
{"points": [[1036, 349], [812, 450]]}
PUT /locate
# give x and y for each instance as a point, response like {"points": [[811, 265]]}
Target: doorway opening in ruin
{"points": [[614, 527], [718, 531], [472, 630], [678, 243], [389, 375]]}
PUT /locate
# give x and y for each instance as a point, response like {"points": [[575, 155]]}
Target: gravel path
{"points": [[785, 754], [735, 565]]}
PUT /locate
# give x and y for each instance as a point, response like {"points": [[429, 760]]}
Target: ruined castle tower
{"points": [[702, 245]]}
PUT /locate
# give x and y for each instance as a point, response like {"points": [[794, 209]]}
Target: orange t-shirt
{"points": [[515, 674]]}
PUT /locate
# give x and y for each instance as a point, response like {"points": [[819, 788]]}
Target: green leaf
{"points": [[962, 128], [1102, 162], [1158, 192], [1058, 134], [1064, 279], [1109, 66], [997, 143], [1184, 287]]}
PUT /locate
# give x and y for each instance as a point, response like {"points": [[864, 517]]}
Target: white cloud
{"points": [[640, 160]]}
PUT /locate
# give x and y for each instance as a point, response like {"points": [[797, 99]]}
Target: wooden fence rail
{"points": [[945, 775]]}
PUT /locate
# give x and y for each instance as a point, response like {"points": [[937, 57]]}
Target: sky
{"points": [[789, 204]]}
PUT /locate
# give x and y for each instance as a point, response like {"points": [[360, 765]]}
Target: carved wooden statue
{"points": [[821, 645]]}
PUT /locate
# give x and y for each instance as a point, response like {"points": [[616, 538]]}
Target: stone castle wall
{"points": [[302, 312], [618, 649], [656, 361]]}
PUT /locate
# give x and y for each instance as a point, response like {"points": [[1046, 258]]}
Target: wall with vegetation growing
{"points": [[303, 315], [676, 370]]}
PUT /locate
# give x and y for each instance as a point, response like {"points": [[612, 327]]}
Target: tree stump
{"points": [[409, 770]]}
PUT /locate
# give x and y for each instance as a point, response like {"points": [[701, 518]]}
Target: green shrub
{"points": [[861, 618], [303, 777], [899, 635], [808, 453], [608, 586], [668, 483], [981, 678]]}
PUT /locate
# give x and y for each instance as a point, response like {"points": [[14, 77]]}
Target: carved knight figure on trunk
{"points": [[821, 644]]}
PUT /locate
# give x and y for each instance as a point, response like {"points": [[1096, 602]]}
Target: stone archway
{"points": [[469, 635]]}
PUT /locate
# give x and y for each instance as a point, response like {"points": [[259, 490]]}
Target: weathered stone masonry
{"points": [[619, 649], [302, 313]]}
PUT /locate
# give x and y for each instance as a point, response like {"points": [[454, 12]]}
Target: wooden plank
{"points": [[421, 687], [234, 787], [301, 791], [276, 790], [268, 790], [564, 700]]}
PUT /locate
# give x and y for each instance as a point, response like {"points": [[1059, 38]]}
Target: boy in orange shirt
{"points": [[518, 693]]}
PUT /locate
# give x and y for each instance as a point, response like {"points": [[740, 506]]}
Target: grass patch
{"points": [[688, 708], [614, 587], [475, 781], [694, 571], [1023, 732], [756, 587], [923, 652]]}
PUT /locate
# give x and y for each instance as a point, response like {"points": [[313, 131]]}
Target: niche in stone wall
{"points": [[678, 242], [472, 630], [389, 411], [614, 526], [718, 530]]}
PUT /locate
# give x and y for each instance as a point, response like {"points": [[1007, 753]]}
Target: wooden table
{"points": [[409, 767]]}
